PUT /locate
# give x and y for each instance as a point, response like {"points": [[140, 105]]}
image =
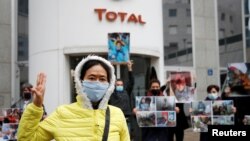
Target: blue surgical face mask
{"points": [[95, 90], [119, 88], [212, 96]]}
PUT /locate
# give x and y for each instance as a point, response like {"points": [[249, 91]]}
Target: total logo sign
{"points": [[112, 16]]}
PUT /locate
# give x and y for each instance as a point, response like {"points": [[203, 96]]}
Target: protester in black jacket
{"points": [[122, 96]]}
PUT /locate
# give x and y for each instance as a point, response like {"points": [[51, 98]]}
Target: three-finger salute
{"points": [[39, 89]]}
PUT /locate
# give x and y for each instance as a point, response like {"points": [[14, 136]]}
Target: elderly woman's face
{"points": [[96, 73]]}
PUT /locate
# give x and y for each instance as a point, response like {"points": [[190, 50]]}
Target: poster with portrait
{"points": [[201, 108], [155, 111], [118, 47], [203, 113], [238, 79], [182, 86]]}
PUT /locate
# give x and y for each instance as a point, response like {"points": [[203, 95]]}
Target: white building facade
{"points": [[62, 29]]}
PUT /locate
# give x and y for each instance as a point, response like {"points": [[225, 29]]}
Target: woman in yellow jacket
{"points": [[88, 119]]}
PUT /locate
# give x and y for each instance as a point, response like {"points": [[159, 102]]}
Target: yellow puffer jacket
{"points": [[78, 121], [71, 123]]}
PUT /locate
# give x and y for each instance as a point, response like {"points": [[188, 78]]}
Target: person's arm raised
{"points": [[39, 89]]}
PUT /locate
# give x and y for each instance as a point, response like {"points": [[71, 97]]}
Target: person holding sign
{"points": [[181, 122], [90, 118], [156, 133], [213, 95], [118, 44]]}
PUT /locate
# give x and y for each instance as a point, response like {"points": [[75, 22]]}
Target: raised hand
{"points": [[130, 64], [39, 89]]}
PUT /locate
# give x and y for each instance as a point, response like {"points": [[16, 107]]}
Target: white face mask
{"points": [[212, 96]]}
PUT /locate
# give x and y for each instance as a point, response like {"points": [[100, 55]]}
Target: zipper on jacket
{"points": [[96, 126]]}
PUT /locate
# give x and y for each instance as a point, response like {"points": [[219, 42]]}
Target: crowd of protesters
{"points": [[108, 103]]}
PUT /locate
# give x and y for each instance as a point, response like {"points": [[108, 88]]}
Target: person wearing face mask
{"points": [[212, 95], [121, 96], [26, 94], [90, 118], [149, 133]]}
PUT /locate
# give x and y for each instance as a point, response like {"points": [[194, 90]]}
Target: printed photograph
{"points": [[118, 47], [162, 119], [222, 107], [9, 132], [246, 120], [238, 79], [10, 115], [165, 103], [146, 119], [200, 108], [171, 119], [181, 85], [145, 103], [223, 120], [166, 119], [200, 123]]}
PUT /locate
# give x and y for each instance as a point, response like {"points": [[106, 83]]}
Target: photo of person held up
{"points": [[145, 103], [146, 119], [166, 119], [118, 47], [181, 84], [223, 107], [164, 103], [201, 108]]}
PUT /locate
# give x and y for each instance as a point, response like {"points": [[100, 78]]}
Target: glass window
{"points": [[248, 43], [230, 31], [247, 6], [222, 16], [22, 48], [172, 12], [23, 7], [177, 26], [173, 45]]}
